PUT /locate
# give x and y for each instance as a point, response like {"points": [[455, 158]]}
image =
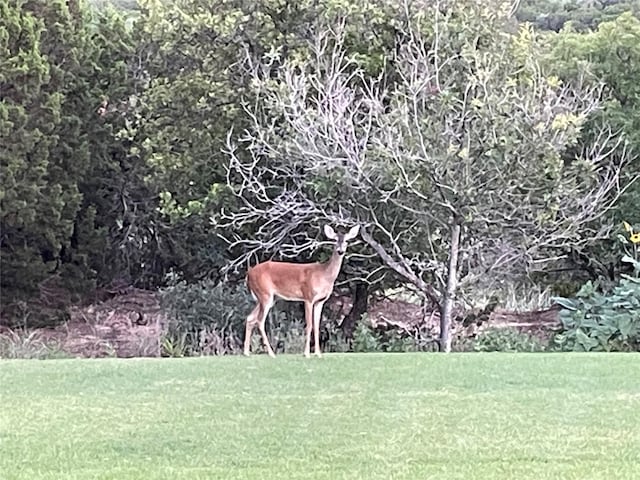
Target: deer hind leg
{"points": [[265, 310], [308, 317], [317, 315], [250, 324]]}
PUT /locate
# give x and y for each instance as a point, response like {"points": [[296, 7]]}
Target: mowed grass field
{"points": [[369, 416]]}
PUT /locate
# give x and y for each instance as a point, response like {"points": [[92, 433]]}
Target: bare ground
{"points": [[127, 325]]}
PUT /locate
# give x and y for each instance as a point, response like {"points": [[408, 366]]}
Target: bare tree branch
{"points": [[453, 130]]}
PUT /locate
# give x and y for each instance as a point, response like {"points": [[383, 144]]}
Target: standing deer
{"points": [[311, 283]]}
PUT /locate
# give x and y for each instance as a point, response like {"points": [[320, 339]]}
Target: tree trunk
{"points": [[450, 292], [359, 307]]}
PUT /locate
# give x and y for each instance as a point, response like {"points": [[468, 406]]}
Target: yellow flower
{"points": [[635, 237], [627, 227]]}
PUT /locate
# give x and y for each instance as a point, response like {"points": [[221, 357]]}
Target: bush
{"points": [[285, 332], [418, 338], [390, 338], [332, 338], [607, 322], [204, 318], [506, 339], [35, 314], [365, 339]]}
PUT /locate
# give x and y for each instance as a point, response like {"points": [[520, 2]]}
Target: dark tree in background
{"points": [[58, 66]]}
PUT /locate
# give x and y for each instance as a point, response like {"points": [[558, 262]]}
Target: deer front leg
{"points": [[265, 340], [308, 317], [317, 315]]}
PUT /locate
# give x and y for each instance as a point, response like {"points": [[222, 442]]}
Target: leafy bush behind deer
{"points": [[204, 318]]}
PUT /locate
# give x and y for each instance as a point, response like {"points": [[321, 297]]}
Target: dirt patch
{"points": [[386, 313], [409, 316], [534, 322], [128, 325]]}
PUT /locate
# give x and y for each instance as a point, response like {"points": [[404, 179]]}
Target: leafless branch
{"points": [[465, 134]]}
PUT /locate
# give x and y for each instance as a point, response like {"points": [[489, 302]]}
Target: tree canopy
{"points": [[582, 15]]}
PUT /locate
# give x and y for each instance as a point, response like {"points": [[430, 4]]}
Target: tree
{"points": [[608, 56], [113, 189], [451, 157], [192, 90], [54, 142], [44, 151], [581, 15], [189, 97]]}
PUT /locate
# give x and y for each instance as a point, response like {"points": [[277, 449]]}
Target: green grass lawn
{"points": [[413, 416]]}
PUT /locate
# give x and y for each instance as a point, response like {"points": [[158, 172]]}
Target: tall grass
{"points": [[25, 344]]}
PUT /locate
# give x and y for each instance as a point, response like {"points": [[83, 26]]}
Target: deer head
{"points": [[341, 239]]}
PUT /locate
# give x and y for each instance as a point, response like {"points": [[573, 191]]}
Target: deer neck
{"points": [[334, 264]]}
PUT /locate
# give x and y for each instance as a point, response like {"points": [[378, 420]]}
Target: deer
{"points": [[311, 283]]}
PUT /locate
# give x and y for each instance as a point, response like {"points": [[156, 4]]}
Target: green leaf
{"points": [[566, 303], [626, 326]]}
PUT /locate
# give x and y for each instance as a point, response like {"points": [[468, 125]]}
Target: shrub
{"points": [[204, 318], [286, 333], [365, 339], [418, 338], [36, 313], [392, 338], [506, 339], [595, 321], [332, 338], [397, 341]]}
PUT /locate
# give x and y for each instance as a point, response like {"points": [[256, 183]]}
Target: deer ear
{"points": [[351, 234], [330, 232]]}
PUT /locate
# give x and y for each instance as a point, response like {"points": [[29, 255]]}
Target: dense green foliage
{"points": [[506, 339], [59, 157], [204, 318], [43, 151], [129, 5], [583, 15], [375, 416], [596, 321], [609, 55]]}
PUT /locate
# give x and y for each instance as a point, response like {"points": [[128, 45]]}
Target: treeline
{"points": [[582, 15], [168, 145]]}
